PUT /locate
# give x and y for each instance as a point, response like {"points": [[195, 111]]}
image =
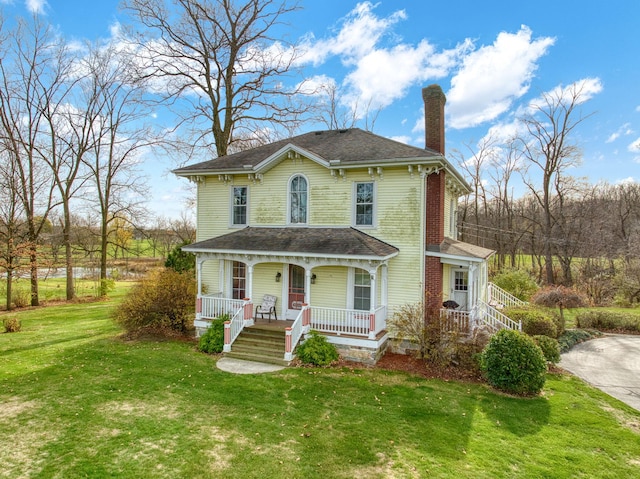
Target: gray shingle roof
{"points": [[350, 147], [298, 240], [460, 248]]}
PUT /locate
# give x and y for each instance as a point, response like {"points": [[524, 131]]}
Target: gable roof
{"points": [[304, 241], [334, 149], [454, 249]]}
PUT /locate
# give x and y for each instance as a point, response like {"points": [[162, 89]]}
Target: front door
{"points": [[461, 289], [296, 290]]}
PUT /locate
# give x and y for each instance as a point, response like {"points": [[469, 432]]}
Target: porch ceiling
{"points": [[347, 243]]}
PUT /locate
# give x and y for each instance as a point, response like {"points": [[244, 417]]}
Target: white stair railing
{"points": [[487, 314], [501, 298]]}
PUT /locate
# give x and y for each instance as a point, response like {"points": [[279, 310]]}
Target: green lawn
{"points": [[78, 401]]}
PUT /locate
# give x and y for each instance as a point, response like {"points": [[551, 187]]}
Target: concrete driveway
{"points": [[610, 363]]}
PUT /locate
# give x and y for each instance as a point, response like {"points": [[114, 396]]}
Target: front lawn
{"points": [[78, 401]]}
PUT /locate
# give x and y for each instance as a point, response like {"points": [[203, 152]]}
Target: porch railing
{"points": [[233, 328], [214, 306], [500, 297], [455, 321], [294, 333], [489, 315], [348, 321]]}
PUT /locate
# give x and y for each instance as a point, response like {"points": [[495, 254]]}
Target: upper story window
{"points": [[298, 200], [239, 205], [364, 204]]}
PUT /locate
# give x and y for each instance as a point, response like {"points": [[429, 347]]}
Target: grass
{"points": [[76, 400]]}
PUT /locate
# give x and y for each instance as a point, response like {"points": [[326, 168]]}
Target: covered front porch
{"points": [[331, 280]]}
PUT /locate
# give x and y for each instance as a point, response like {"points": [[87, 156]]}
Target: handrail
{"points": [[494, 318], [497, 295], [214, 306], [348, 321], [234, 327], [293, 335]]}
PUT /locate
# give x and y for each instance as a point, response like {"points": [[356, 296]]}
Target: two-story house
{"points": [[339, 228]]}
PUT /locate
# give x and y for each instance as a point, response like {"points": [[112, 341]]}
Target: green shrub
{"points": [[512, 362], [179, 260], [550, 348], [571, 337], [212, 341], [164, 300], [20, 297], [317, 350], [535, 322], [608, 320], [517, 282], [12, 325]]}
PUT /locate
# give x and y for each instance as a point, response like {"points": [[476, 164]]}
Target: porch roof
{"points": [[459, 250], [298, 241]]}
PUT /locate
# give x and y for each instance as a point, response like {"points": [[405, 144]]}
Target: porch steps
{"points": [[265, 345]]}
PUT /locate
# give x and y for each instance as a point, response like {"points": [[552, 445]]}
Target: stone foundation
{"points": [[361, 354]]}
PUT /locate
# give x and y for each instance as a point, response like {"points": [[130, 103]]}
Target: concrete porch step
{"points": [[265, 345]]}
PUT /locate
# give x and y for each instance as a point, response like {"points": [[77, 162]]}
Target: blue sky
{"points": [[491, 58]]}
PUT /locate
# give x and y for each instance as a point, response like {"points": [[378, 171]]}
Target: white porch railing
{"points": [[499, 297], [294, 333], [233, 328], [489, 315], [348, 321], [214, 306], [453, 320]]}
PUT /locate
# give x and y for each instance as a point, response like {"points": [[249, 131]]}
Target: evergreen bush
{"points": [[212, 341], [535, 321], [608, 321], [317, 350], [512, 362], [550, 348], [517, 282]]}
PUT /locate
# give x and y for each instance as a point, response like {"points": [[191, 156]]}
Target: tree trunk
{"points": [[68, 252], [103, 257], [33, 261]]}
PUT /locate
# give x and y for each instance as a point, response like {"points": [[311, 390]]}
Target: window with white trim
{"points": [[239, 206], [364, 204], [362, 290], [298, 200], [239, 280]]}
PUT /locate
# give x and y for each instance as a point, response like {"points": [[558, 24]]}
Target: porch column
{"points": [[471, 286], [372, 305], [307, 285], [199, 295], [384, 299], [249, 286]]}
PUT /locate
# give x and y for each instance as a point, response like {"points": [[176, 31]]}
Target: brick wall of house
{"points": [[434, 235]]}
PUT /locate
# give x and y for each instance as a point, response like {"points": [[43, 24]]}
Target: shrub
{"points": [[512, 362], [212, 341], [317, 350], [517, 282], [164, 300], [608, 320], [550, 348], [12, 324], [20, 297], [179, 260], [535, 322], [571, 337], [560, 297]]}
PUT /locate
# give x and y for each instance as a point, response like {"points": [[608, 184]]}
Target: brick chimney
{"points": [[434, 101]]}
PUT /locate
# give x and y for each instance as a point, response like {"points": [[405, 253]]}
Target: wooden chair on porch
{"points": [[267, 307]]}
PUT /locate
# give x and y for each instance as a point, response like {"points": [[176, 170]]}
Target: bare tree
{"points": [[26, 77], [548, 147], [118, 137], [220, 57]]}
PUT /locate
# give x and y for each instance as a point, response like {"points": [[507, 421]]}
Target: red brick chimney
{"points": [[434, 101]]}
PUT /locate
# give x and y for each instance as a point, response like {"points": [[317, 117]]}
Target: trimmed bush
{"points": [[12, 325], [535, 322], [317, 350], [571, 337], [212, 341], [550, 348], [163, 301], [608, 321], [512, 362]]}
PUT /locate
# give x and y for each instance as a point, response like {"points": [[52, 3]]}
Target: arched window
{"points": [[298, 200]]}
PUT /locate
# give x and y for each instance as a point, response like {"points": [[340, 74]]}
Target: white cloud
{"points": [[577, 92], [492, 77], [638, 108], [635, 146], [402, 139], [624, 130], [36, 6], [626, 181]]}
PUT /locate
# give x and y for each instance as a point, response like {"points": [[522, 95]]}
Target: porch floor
{"points": [[273, 325]]}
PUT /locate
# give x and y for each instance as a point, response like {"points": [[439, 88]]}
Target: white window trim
{"points": [[351, 286], [231, 223], [306, 223], [354, 196]]}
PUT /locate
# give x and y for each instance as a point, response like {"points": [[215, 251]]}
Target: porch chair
{"points": [[268, 307]]}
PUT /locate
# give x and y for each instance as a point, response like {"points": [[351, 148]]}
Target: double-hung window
{"points": [[298, 196], [362, 290], [239, 206], [364, 204], [239, 280]]}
